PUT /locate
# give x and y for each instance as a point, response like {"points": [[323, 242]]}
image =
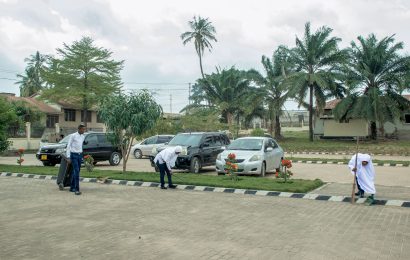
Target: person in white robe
{"points": [[364, 174], [165, 160]]}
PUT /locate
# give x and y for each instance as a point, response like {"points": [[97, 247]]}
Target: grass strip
{"points": [[244, 182]]}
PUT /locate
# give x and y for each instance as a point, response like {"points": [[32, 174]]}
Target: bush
{"points": [[257, 132]]}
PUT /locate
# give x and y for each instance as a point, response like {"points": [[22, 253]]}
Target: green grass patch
{"points": [[299, 142], [244, 182]]}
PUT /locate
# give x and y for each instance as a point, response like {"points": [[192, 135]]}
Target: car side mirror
{"points": [[269, 149], [85, 142], [166, 143], [223, 147]]}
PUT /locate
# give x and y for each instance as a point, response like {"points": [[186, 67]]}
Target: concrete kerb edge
{"points": [[310, 196], [343, 163]]}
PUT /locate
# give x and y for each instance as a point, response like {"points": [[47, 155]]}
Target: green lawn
{"points": [[245, 182], [299, 142]]}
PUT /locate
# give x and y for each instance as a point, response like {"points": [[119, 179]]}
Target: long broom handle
{"points": [[355, 172]]}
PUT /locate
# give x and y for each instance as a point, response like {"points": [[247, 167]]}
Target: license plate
{"points": [[43, 157]]}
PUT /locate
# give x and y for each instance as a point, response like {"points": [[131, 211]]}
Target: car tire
{"points": [[95, 163], [138, 154], [263, 170], [115, 159], [195, 165], [49, 164]]}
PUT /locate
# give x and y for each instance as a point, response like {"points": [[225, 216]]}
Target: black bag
{"points": [[64, 173]]}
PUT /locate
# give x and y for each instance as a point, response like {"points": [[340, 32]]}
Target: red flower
{"points": [[21, 160], [21, 150], [277, 174], [86, 157], [231, 156]]}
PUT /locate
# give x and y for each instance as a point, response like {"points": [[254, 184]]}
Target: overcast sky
{"points": [[146, 34]]}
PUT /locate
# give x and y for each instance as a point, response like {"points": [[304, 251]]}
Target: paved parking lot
{"points": [[118, 222]]}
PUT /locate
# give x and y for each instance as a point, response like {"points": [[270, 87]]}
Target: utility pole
{"points": [[189, 94], [170, 104]]}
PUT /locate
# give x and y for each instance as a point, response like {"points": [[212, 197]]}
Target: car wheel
{"points": [[115, 159], [95, 163], [195, 165], [138, 154], [263, 170], [49, 164]]}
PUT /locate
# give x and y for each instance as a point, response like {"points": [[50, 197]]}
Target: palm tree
{"points": [[377, 73], [317, 59], [32, 81], [203, 32], [273, 86]]}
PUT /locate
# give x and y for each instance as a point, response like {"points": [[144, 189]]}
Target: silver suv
{"points": [[146, 146]]}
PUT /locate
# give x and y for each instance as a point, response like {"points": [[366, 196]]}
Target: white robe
{"points": [[167, 156], [365, 174]]}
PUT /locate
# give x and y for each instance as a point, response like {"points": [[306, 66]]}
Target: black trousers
{"points": [[162, 170]]}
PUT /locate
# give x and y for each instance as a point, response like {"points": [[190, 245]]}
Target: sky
{"points": [[146, 34]]}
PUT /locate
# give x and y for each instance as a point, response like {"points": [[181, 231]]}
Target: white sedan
{"points": [[254, 155]]}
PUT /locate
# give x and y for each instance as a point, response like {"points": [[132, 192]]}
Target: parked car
{"points": [[95, 144], [198, 149], [146, 147], [254, 155]]}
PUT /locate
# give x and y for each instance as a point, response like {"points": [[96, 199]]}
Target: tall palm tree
{"points": [[32, 81], [317, 59], [377, 73], [203, 32], [273, 86]]}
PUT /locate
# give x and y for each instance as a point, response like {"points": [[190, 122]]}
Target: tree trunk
{"points": [[277, 128], [237, 126], [373, 130], [311, 113], [200, 64]]}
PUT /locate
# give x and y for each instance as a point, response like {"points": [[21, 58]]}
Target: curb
{"points": [[345, 163], [336, 153], [310, 196]]}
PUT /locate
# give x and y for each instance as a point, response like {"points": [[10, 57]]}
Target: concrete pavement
{"points": [[118, 222]]}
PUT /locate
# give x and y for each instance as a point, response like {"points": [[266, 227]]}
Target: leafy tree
{"points": [[317, 60], [202, 119], [82, 74], [32, 81], [203, 32], [377, 75], [273, 86], [7, 118], [128, 117]]}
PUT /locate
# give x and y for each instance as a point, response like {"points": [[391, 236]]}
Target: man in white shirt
{"points": [[75, 156], [165, 160]]}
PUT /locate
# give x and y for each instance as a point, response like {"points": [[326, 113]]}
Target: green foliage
{"points": [[202, 119], [26, 113], [258, 132], [164, 126], [82, 74], [128, 117], [376, 75], [203, 32], [318, 63], [32, 81], [7, 118]]}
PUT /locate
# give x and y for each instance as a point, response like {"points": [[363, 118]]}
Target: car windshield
{"points": [[64, 140], [246, 144], [186, 140]]}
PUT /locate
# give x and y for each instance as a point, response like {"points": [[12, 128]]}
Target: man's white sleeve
{"points": [[68, 149]]}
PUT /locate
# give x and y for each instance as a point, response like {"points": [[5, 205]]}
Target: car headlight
{"points": [[256, 157], [184, 151], [61, 150], [219, 157]]}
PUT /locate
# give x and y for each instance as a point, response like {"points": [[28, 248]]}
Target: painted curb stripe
{"points": [[311, 196]]}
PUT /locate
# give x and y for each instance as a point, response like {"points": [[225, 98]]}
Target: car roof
{"points": [[253, 137], [201, 133]]}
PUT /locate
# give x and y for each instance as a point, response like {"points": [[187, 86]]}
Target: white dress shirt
{"points": [[75, 143]]}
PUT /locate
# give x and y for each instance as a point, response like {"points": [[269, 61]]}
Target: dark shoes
{"points": [[361, 195], [77, 193], [172, 186], [163, 188]]}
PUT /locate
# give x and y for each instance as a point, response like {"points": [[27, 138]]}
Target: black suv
{"points": [[198, 149], [95, 144]]}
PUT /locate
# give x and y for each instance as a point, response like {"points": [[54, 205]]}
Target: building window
{"points": [[69, 115], [51, 121], [88, 114], [407, 118]]}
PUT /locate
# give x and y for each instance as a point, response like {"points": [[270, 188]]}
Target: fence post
{"points": [[28, 134]]}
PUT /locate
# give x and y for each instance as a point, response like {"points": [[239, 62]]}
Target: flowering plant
{"points": [[89, 162], [20, 154], [231, 167], [285, 173]]}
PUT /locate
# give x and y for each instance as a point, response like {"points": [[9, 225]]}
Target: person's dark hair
{"points": [[81, 126]]}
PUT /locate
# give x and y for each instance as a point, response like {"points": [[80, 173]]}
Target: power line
{"points": [[9, 79]]}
